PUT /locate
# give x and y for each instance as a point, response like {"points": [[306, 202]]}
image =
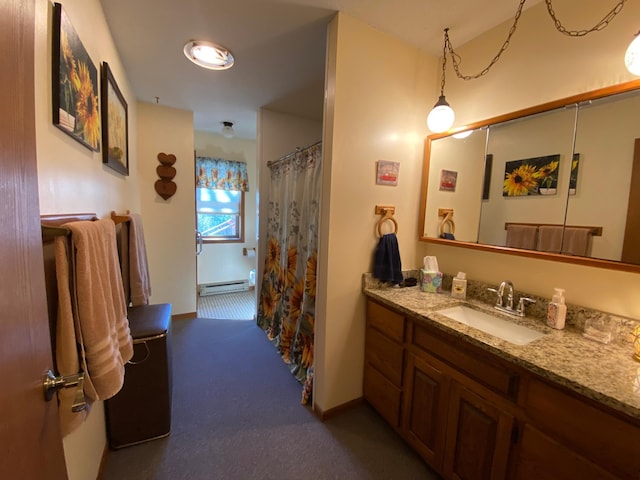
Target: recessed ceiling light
{"points": [[208, 55]]}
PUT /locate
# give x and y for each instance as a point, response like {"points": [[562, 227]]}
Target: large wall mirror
{"points": [[558, 181]]}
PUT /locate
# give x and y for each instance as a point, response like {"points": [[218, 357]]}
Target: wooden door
{"points": [[29, 428], [424, 410], [478, 437]]}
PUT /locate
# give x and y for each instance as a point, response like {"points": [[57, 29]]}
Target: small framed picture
{"points": [[115, 124], [387, 173], [448, 179]]}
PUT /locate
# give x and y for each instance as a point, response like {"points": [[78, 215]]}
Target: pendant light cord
{"points": [[444, 61], [456, 60], [601, 25]]}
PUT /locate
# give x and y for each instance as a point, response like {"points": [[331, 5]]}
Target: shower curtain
{"points": [[286, 310]]}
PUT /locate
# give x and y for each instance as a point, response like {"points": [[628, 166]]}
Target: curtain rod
{"points": [[298, 150]]}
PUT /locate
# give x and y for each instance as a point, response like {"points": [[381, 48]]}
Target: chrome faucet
{"points": [[508, 308], [507, 284]]}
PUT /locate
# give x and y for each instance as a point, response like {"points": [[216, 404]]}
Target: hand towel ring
{"points": [[387, 216], [447, 215]]}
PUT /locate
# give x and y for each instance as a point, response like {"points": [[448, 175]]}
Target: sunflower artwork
{"points": [[75, 84], [531, 176]]}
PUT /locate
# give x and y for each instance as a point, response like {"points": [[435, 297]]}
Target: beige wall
{"points": [[169, 225], [224, 262], [375, 110], [73, 179], [542, 65]]}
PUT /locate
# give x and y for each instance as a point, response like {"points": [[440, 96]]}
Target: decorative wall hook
{"points": [[166, 187]]}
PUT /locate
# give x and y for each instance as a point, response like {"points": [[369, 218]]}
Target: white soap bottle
{"points": [[557, 310], [459, 286]]}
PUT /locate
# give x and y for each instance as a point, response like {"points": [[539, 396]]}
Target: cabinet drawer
{"points": [[385, 355], [383, 395], [541, 457], [603, 438], [464, 358], [388, 322]]}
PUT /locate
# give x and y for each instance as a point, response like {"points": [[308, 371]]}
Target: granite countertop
{"points": [[606, 373]]}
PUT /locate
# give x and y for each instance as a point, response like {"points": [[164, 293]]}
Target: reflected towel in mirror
{"points": [[576, 241], [522, 236], [549, 238]]}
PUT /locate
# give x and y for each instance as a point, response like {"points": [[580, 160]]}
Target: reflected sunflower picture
{"points": [[75, 84], [531, 176]]}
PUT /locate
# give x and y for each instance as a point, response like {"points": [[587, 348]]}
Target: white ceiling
{"points": [[278, 45]]}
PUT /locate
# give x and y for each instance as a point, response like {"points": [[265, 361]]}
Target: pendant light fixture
{"points": [[632, 56], [227, 130], [441, 116]]}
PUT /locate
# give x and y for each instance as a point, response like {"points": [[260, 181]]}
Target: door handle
{"points": [[52, 384], [199, 242]]}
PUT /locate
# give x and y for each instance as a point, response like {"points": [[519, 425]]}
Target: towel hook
{"points": [[387, 212]]}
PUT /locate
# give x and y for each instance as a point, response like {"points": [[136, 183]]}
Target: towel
{"points": [[576, 241], [549, 238], [102, 326], [522, 236], [138, 266], [67, 357], [386, 265]]}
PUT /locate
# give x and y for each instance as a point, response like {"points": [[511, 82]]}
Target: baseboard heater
{"points": [[224, 287]]}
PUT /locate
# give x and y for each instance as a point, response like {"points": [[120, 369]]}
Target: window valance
{"points": [[221, 174]]}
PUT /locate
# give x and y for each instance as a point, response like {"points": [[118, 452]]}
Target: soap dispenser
{"points": [[557, 310]]}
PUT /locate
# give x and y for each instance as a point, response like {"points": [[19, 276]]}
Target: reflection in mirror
{"points": [[565, 170], [605, 137], [529, 179], [465, 158]]}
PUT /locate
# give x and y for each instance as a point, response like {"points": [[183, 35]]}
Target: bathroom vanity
{"points": [[478, 407]]}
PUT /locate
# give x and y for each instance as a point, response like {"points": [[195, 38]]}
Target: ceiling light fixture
{"points": [[441, 117], [632, 56], [442, 113], [209, 55], [227, 130]]}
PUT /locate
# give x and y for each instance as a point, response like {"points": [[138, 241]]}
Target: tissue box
{"points": [[430, 281]]}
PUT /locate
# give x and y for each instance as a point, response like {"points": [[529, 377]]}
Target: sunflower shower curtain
{"points": [[286, 310]]}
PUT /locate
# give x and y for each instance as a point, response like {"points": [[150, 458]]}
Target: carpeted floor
{"points": [[230, 306], [237, 415]]}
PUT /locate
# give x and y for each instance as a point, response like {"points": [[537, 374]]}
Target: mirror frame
{"points": [[545, 107]]}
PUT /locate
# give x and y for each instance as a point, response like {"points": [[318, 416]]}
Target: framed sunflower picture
{"points": [[75, 84], [115, 124], [531, 176]]}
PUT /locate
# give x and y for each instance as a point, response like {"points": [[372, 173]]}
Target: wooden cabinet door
{"points": [[424, 417], [478, 437], [540, 456]]}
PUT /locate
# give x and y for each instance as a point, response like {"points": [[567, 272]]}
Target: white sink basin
{"points": [[498, 327]]}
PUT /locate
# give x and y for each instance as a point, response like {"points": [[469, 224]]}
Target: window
{"points": [[220, 187], [220, 214]]}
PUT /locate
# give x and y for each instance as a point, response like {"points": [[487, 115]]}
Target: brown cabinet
{"points": [[383, 367], [584, 428], [540, 456], [473, 415], [425, 409], [478, 437]]}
